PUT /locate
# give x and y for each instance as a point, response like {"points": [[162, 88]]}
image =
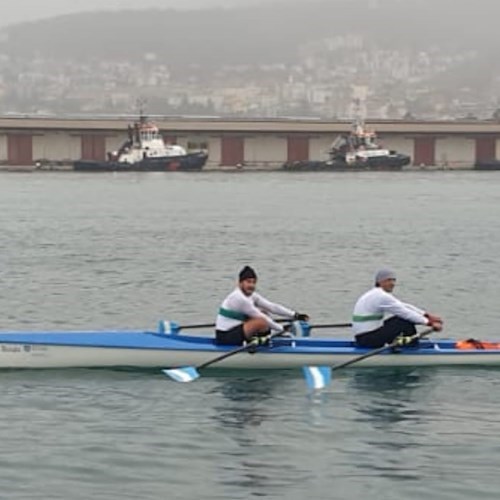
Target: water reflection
{"points": [[255, 420], [390, 395], [245, 397], [388, 403]]}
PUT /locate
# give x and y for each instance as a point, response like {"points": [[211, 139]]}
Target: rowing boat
{"points": [[155, 349]]}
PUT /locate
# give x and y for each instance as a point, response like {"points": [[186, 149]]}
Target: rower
{"points": [[244, 314], [370, 327]]}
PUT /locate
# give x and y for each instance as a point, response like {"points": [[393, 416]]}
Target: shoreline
{"points": [[241, 169]]}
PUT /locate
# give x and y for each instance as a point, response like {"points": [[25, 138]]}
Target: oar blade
{"points": [[317, 377], [184, 374]]}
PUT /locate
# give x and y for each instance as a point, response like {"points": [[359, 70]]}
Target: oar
{"points": [[190, 373], [332, 325], [192, 327], [170, 327], [318, 377]]}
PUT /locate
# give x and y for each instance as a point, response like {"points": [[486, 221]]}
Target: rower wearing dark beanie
{"points": [[244, 314], [247, 273]]}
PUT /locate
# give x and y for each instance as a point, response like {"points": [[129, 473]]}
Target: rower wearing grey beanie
{"points": [[384, 274], [379, 317]]}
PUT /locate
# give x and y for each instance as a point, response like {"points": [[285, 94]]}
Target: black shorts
{"points": [[235, 336]]}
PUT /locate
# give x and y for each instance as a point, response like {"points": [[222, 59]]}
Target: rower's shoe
{"points": [[405, 341], [256, 342], [263, 340]]}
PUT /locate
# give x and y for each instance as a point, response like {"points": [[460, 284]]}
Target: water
{"points": [[106, 251]]}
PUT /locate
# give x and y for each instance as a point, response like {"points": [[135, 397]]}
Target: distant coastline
{"points": [[259, 60], [236, 169]]}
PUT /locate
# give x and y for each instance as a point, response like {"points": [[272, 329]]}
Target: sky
{"points": [[14, 11]]}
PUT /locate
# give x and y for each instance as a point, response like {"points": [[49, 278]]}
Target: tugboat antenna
{"points": [[358, 122], [141, 106]]}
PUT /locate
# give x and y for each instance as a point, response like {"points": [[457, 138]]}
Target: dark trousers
{"points": [[235, 336], [392, 328]]}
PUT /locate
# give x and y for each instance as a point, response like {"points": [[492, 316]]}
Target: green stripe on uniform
{"points": [[367, 317], [228, 313]]}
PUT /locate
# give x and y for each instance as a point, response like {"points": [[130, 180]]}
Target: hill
{"points": [[261, 34]]}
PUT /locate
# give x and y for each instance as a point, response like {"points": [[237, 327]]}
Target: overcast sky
{"points": [[13, 11]]}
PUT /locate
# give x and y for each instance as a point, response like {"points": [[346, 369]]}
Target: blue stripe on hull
{"points": [[137, 339]]}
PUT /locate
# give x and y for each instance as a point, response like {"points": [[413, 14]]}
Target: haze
{"points": [[423, 59], [29, 10]]}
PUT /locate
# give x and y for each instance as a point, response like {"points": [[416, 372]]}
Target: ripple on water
{"points": [[123, 251]]}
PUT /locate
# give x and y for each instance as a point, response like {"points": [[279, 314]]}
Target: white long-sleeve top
{"points": [[238, 307], [376, 304]]}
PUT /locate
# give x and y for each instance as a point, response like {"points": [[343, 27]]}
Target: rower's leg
{"points": [[255, 327], [398, 326], [387, 333], [374, 339]]}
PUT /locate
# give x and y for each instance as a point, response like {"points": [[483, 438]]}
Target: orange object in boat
{"points": [[476, 344]]}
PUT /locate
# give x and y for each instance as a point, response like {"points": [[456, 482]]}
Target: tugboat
{"points": [[145, 151], [357, 150], [487, 165]]}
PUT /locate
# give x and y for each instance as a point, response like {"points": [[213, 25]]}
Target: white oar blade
{"points": [[317, 377], [186, 374]]}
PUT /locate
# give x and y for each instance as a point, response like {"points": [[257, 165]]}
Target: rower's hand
{"points": [[301, 316], [437, 326], [433, 318]]}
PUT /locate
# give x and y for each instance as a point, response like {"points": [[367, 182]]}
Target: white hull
{"points": [[54, 356]]}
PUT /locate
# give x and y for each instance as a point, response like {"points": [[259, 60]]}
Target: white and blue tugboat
{"points": [[353, 151], [145, 151]]}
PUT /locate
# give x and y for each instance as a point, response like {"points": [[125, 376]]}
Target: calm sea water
{"points": [[123, 251]]}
